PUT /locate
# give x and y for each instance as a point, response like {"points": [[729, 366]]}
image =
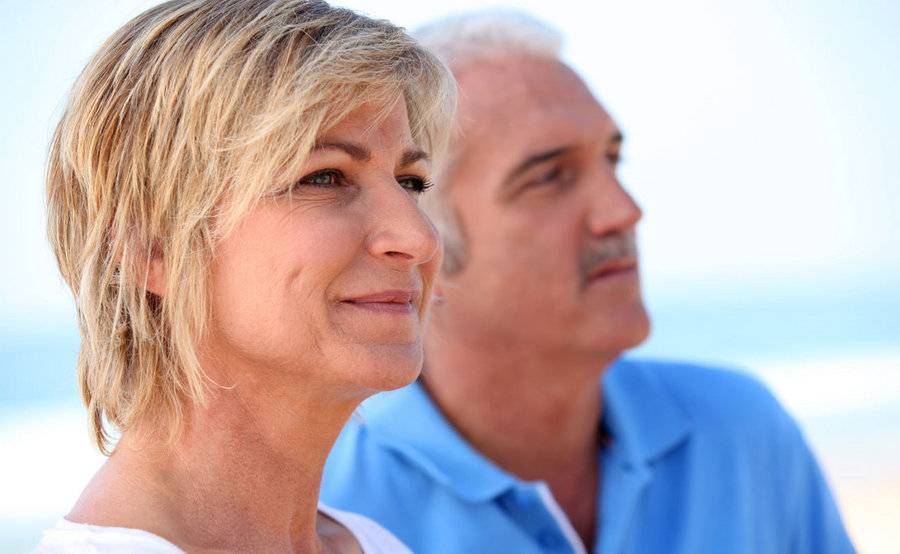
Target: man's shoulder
{"points": [[715, 398], [698, 381], [354, 446], [371, 460], [385, 477]]}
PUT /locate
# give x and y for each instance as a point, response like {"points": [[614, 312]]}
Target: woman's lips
{"points": [[389, 301]]}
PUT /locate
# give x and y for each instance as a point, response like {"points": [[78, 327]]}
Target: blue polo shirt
{"points": [[701, 460]]}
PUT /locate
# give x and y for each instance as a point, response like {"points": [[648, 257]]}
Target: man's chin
{"points": [[623, 331], [642, 326], [640, 337]]}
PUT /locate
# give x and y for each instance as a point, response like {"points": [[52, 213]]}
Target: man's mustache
{"points": [[610, 247]]}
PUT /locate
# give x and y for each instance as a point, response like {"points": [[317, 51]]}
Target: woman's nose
{"points": [[401, 232]]}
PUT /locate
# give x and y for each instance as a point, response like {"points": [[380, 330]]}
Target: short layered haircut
{"points": [[183, 120]]}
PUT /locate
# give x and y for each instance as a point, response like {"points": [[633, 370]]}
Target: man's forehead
{"points": [[503, 83], [526, 103]]}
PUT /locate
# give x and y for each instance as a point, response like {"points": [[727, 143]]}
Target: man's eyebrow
{"points": [[355, 151], [412, 156], [536, 159], [617, 138]]}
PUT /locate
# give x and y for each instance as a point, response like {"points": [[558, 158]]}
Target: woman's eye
{"points": [[324, 178], [414, 184]]}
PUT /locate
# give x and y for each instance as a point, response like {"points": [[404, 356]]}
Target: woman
{"points": [[232, 199]]}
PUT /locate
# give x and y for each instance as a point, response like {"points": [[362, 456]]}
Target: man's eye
{"points": [[551, 176], [557, 175], [614, 158], [324, 178], [416, 185]]}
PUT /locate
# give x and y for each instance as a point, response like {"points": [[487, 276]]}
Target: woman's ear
{"points": [[156, 275]]}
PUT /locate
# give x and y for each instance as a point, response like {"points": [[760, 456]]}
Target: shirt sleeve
{"points": [[817, 527]]}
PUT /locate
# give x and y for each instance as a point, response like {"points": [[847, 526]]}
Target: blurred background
{"points": [[763, 143]]}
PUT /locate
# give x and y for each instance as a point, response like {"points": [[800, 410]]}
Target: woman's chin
{"points": [[389, 367]]}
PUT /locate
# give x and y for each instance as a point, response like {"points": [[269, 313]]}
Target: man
{"points": [[527, 432]]}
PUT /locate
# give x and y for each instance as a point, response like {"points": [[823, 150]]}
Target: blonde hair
{"points": [[184, 118], [460, 40]]}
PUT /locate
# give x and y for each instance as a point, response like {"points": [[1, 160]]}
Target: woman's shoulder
{"points": [[81, 538], [373, 538]]}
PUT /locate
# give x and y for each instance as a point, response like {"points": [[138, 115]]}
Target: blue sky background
{"points": [[762, 140]]}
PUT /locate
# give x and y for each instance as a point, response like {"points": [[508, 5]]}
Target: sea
{"points": [[832, 358]]}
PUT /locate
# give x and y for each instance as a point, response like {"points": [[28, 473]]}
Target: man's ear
{"points": [[156, 275], [437, 292], [442, 283]]}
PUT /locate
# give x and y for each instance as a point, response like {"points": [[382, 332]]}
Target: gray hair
{"points": [[462, 39], [466, 37]]}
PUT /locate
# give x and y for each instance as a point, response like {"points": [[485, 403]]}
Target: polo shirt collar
{"points": [[408, 422], [642, 417]]}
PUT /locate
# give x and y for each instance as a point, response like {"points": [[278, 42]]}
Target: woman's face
{"points": [[328, 283]]}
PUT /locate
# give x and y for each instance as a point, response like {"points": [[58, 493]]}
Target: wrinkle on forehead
{"points": [[376, 126], [509, 89], [510, 107]]}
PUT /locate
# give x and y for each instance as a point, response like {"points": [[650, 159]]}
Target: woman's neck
{"points": [[243, 475]]}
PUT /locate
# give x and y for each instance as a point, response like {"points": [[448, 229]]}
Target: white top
{"points": [[81, 538], [373, 538]]}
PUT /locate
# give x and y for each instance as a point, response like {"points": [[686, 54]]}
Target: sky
{"points": [[762, 138]]}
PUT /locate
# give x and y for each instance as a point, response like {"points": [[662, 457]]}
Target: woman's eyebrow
{"points": [[412, 156], [356, 151], [363, 154]]}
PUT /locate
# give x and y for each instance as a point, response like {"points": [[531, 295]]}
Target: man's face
{"points": [[549, 231]]}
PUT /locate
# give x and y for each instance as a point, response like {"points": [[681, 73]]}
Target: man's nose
{"points": [[400, 232], [612, 209]]}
